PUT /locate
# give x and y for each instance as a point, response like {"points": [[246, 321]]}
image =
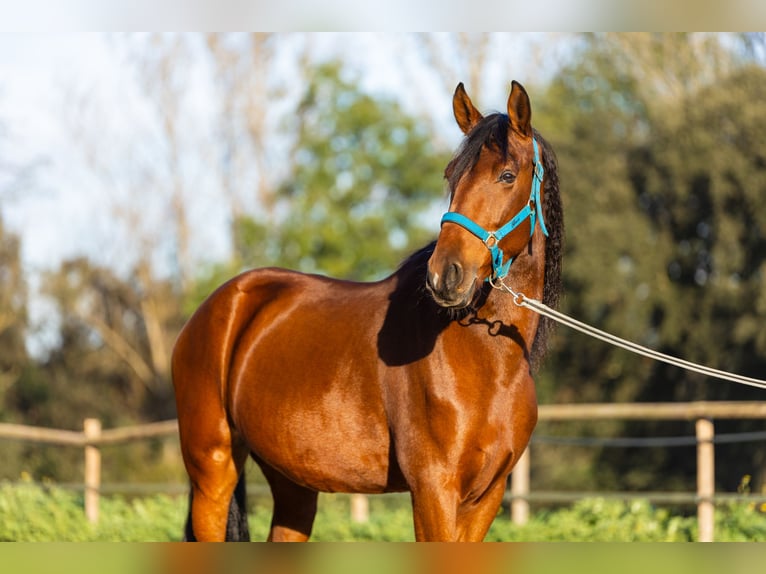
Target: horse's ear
{"points": [[466, 114], [519, 110]]}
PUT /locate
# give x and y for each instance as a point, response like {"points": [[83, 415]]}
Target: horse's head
{"points": [[495, 182]]}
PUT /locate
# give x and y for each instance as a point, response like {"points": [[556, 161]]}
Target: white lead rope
{"points": [[522, 300]]}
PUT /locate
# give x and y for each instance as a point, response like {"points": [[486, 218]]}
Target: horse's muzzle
{"points": [[452, 287]]}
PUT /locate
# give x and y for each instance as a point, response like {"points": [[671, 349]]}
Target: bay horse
{"points": [[420, 382]]}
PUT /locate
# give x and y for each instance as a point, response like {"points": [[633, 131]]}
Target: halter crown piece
{"points": [[532, 210]]}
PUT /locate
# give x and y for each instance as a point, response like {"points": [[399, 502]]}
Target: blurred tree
{"points": [[701, 181], [109, 362], [15, 175], [668, 66], [434, 63], [115, 338], [13, 313], [594, 115], [455, 57], [18, 370], [119, 309], [162, 64], [754, 46], [365, 175], [123, 308], [246, 85], [663, 175]]}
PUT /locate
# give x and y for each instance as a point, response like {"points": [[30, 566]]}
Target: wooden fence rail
{"points": [[703, 413], [90, 439]]}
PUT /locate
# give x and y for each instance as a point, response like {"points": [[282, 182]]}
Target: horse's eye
{"points": [[507, 177]]}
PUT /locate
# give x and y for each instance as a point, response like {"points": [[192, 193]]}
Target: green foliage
{"points": [[390, 520], [702, 183], [741, 523], [110, 362], [600, 520], [13, 313], [664, 182], [364, 174], [34, 513], [594, 116]]}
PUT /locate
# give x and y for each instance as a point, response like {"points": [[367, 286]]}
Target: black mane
{"points": [[554, 246]]}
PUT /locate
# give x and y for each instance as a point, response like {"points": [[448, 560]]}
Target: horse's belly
{"points": [[326, 433], [323, 450], [305, 389]]}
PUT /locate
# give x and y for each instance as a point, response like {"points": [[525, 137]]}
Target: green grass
{"points": [[34, 513]]}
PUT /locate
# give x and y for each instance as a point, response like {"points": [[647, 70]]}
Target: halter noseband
{"points": [[491, 239]]}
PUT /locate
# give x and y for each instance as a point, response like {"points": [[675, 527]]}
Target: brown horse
{"points": [[420, 382]]}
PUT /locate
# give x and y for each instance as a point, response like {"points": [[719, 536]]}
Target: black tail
{"points": [[237, 529], [188, 531]]}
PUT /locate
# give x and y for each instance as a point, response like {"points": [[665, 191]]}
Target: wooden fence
{"points": [[703, 413], [92, 437]]}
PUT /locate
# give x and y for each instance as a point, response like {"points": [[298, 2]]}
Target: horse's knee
{"points": [[214, 479]]}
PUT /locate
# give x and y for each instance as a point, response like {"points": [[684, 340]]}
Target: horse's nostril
{"points": [[432, 281], [453, 277]]}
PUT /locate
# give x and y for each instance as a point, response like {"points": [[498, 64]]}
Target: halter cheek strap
{"points": [[533, 210]]}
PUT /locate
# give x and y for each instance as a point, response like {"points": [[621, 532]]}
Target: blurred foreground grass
{"points": [[37, 513]]}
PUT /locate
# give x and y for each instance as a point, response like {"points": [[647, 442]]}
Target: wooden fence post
{"points": [[360, 508], [705, 479], [92, 431], [520, 489]]}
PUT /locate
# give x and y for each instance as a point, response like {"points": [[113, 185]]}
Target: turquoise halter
{"points": [[532, 210]]}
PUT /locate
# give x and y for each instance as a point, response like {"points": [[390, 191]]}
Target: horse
{"points": [[420, 382]]}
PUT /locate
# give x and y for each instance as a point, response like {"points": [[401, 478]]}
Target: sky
{"points": [[58, 88], [54, 86], [52, 81], [35, 70], [43, 76]]}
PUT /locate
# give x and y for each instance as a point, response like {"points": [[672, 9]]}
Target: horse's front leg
{"points": [[434, 511], [475, 517], [442, 513]]}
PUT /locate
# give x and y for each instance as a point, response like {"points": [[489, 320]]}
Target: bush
{"points": [[34, 513], [601, 520], [46, 513]]}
